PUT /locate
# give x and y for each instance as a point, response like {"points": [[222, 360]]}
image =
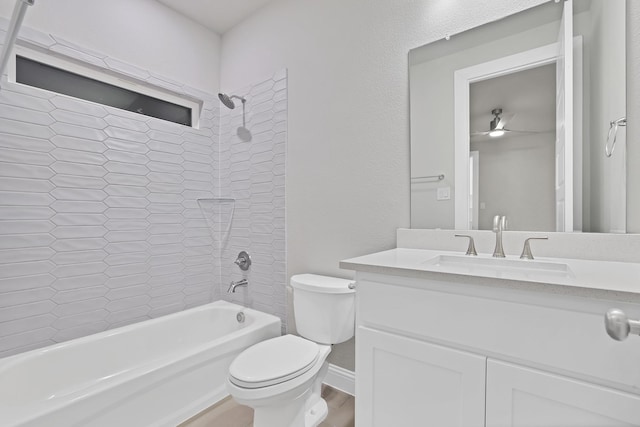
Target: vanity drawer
{"points": [[557, 333]]}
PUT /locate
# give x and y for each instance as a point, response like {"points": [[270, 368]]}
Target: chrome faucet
{"points": [[499, 225], [233, 285]]}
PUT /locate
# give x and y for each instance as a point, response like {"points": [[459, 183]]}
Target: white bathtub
{"points": [[154, 373]]}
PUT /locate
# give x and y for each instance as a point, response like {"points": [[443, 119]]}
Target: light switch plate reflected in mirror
{"points": [[444, 193]]}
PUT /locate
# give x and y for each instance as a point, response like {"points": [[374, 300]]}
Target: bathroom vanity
{"points": [[444, 339]]}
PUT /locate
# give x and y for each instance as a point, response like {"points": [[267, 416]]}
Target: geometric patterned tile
{"points": [[99, 220]]}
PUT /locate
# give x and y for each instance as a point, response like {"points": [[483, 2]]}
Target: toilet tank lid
{"points": [[321, 284]]}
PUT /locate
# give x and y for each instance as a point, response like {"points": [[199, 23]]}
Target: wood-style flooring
{"points": [[228, 413]]}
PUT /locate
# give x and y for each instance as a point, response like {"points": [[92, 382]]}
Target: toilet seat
{"points": [[273, 362]]}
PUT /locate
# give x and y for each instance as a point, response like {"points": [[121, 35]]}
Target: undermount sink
{"points": [[497, 266]]}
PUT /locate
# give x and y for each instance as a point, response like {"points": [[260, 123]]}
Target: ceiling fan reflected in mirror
{"points": [[497, 126]]}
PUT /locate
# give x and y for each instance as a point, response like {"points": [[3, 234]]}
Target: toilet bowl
{"points": [[281, 378]]}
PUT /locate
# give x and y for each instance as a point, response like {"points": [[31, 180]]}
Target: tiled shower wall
{"points": [[99, 220], [252, 171]]}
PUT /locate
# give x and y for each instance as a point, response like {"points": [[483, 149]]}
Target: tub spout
{"points": [[233, 285]]}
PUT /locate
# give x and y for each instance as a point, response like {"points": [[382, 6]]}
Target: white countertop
{"points": [[588, 278]]}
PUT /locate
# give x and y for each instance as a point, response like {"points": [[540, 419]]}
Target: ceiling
{"points": [[217, 15], [530, 94]]}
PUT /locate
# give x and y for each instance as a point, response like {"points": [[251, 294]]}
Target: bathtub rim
{"points": [[25, 412]]}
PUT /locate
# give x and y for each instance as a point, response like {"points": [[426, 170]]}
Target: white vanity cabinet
{"points": [[519, 396], [398, 375], [456, 351]]}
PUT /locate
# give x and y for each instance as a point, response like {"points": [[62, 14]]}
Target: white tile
{"points": [[126, 134], [18, 142], [127, 258], [25, 296], [76, 282], [126, 146], [25, 212], [123, 316], [126, 168], [85, 244], [125, 123], [78, 232], [127, 157], [90, 195], [166, 167], [126, 247], [128, 69], [76, 320], [79, 170], [79, 119], [126, 270], [62, 180], [79, 294], [126, 224], [128, 303], [80, 331], [71, 219], [82, 306], [79, 106], [80, 269], [77, 156], [78, 206], [124, 179], [126, 202], [171, 137], [126, 236], [126, 213], [126, 191], [26, 310], [25, 338], [67, 51], [128, 292], [25, 157], [26, 324], [25, 254], [25, 129], [63, 258], [78, 131]]}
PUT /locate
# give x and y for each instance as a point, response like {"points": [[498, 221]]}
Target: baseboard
{"points": [[341, 379]]}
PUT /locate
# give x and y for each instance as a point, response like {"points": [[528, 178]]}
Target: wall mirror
{"points": [[523, 117]]}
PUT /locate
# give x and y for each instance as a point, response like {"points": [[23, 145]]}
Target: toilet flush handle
{"points": [[352, 285]]}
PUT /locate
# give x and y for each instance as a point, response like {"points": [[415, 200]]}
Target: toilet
{"points": [[280, 378]]}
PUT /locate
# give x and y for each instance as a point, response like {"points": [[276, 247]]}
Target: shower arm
{"points": [[19, 11]]}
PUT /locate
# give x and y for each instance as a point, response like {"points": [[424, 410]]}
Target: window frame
{"points": [[107, 76]]}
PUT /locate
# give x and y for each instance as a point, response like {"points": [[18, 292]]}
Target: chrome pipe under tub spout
{"points": [[19, 11]]}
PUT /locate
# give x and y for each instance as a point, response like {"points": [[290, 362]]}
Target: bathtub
{"points": [[154, 373]]}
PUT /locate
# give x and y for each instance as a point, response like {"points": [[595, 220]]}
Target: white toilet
{"points": [[281, 378]]}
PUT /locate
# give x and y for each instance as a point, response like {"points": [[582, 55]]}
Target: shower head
{"points": [[228, 100]]}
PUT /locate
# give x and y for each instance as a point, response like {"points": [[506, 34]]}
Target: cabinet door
{"points": [[523, 397], [405, 382]]}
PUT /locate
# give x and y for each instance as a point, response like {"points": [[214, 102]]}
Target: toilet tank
{"points": [[324, 308]]}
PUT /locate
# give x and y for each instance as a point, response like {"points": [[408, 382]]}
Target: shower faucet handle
{"points": [[243, 261], [471, 250]]}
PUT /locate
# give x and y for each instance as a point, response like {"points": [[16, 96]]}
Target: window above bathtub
{"points": [[69, 77]]}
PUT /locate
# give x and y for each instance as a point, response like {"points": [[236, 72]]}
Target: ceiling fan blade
{"points": [[479, 133], [506, 118], [527, 131]]}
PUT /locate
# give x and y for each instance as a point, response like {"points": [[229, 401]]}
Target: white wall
{"points": [[605, 42], [517, 179], [348, 140], [144, 33], [633, 115]]}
